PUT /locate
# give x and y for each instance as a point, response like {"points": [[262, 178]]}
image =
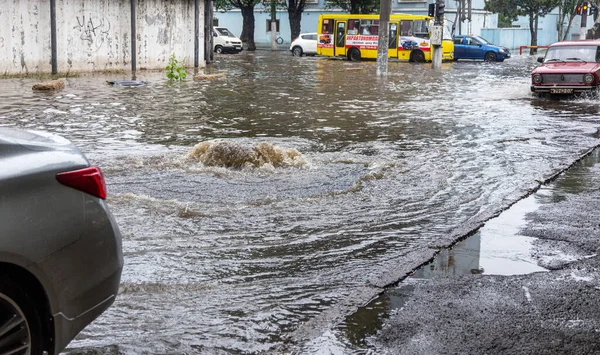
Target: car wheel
{"points": [[297, 51], [417, 56], [21, 330], [354, 54], [219, 49], [490, 57]]}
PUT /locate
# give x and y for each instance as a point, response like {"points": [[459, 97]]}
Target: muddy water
{"points": [[260, 209]]}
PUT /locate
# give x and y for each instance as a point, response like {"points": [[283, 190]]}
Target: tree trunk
{"points": [[595, 30], [571, 18], [247, 35], [354, 6], [533, 32], [295, 17]]}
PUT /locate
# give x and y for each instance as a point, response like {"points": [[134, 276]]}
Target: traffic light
{"points": [[584, 9], [593, 10], [440, 6], [431, 10], [578, 10]]}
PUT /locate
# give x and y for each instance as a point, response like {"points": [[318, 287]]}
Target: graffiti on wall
{"points": [[94, 30]]}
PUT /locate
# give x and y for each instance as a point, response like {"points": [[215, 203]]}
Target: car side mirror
{"points": [[540, 59]]}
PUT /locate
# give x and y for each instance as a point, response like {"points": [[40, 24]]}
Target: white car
{"points": [[225, 42], [305, 44]]}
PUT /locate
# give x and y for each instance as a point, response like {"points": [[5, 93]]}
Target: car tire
{"points": [[219, 49], [297, 51], [21, 322], [354, 54], [490, 57], [417, 56]]}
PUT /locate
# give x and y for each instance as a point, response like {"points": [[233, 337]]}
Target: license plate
{"points": [[561, 91]]}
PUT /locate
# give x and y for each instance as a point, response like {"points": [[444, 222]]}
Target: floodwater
{"points": [[260, 209]]}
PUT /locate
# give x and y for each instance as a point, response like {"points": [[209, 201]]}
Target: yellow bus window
{"points": [[353, 27], [369, 27], [406, 28], [327, 26]]}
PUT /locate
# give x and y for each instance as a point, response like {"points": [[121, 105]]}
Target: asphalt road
{"points": [[554, 312]]}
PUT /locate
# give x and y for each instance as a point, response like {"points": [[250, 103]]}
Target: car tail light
{"points": [[89, 180]]}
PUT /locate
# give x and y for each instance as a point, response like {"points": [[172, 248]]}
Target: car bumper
{"points": [[85, 275], [574, 89], [233, 49]]}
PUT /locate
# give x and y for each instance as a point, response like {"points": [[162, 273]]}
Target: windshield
{"points": [[224, 32], [573, 53], [482, 40]]}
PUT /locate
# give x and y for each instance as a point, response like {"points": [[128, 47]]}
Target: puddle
{"points": [[495, 249]]}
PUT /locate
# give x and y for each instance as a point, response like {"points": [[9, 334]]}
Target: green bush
{"points": [[176, 69]]}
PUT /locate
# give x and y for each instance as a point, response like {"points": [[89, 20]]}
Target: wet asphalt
{"points": [[551, 312]]}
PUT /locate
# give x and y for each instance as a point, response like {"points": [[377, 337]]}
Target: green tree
{"points": [[247, 9], [355, 6], [566, 10], [504, 21], [295, 8], [534, 9]]}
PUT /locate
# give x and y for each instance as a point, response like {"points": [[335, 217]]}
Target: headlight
{"points": [[588, 78], [537, 79], [227, 42], [501, 50]]}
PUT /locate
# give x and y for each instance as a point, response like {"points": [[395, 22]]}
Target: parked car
{"points": [[60, 248], [225, 42], [478, 48], [305, 44], [568, 67]]}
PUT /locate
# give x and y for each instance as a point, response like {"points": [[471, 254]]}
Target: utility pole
{"points": [[584, 16], [437, 34], [383, 42]]}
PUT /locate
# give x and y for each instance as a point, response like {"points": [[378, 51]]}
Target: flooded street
{"points": [[260, 209]]}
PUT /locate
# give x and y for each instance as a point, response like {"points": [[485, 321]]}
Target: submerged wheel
{"points": [[490, 57], [297, 51], [219, 49], [417, 56], [354, 54], [21, 330]]}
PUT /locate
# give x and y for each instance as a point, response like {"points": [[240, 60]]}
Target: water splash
{"points": [[238, 156]]}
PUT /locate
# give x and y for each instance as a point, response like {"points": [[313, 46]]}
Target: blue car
{"points": [[477, 48]]}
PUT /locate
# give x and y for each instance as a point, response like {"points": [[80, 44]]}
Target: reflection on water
{"points": [[358, 177]]}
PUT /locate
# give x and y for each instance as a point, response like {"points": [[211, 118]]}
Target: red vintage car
{"points": [[569, 67]]}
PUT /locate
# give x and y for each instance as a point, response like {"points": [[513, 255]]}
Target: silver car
{"points": [[60, 248]]}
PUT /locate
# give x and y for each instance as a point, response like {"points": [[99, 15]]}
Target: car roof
{"points": [[583, 42]]}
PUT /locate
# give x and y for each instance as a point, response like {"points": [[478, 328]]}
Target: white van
{"points": [[224, 41]]}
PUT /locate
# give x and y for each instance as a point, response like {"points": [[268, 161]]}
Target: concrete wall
{"points": [[23, 47], [96, 34]]}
